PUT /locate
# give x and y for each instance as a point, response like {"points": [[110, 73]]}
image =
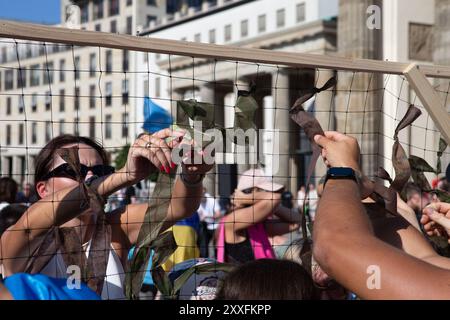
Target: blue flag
{"points": [[155, 117], [23, 286]]}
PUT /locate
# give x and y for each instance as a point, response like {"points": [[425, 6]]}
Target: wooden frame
{"points": [[416, 74], [430, 99], [35, 32]]}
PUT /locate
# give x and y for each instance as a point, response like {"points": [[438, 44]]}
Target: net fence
{"points": [[114, 95]]}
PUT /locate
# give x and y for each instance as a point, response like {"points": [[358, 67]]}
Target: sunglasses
{"points": [[66, 171]]}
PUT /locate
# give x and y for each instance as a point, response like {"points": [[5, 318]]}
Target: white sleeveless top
{"points": [[114, 279]]}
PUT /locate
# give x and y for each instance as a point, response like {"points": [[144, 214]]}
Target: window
{"points": [[77, 68], [9, 80], [124, 91], [61, 126], [34, 102], [33, 132], [108, 129], [92, 64], [29, 53], [262, 23], [84, 10], [62, 74], [113, 7], [129, 2], [151, 2], [21, 104], [228, 33], [98, 27], [198, 37], [62, 100], [92, 96], [108, 93], [129, 25], [157, 87], [124, 125], [92, 127], [8, 105], [301, 12], [280, 18], [48, 101], [125, 60], [98, 9], [76, 105], [150, 19], [48, 131], [48, 73], [244, 28], [108, 61], [21, 78], [113, 26], [34, 80], [21, 133], [8, 134], [212, 36], [76, 127]]}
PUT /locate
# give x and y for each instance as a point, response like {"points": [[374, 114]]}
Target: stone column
{"points": [[207, 95], [357, 106], [242, 84], [281, 102], [441, 54], [324, 113]]}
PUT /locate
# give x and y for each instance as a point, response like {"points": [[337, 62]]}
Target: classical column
{"points": [[242, 84], [358, 104], [324, 113], [441, 53], [207, 95], [281, 101]]}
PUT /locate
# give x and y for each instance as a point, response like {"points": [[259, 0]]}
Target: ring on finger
{"points": [[148, 145]]}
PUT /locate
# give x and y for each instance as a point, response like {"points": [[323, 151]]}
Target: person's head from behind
{"points": [[268, 279], [311, 187], [10, 215], [8, 190], [52, 173]]}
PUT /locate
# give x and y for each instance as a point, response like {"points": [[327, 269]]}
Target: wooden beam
{"points": [[432, 102], [36, 32]]}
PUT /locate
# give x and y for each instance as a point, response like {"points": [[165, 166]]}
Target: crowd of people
{"points": [[257, 230]]}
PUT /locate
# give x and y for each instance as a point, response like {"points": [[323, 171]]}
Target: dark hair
{"points": [[9, 215], [268, 279], [45, 156], [8, 190]]}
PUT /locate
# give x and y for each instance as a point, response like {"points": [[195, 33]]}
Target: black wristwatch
{"points": [[341, 173]]}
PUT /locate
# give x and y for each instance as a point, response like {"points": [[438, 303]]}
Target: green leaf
{"points": [[420, 165], [442, 195], [420, 180]]}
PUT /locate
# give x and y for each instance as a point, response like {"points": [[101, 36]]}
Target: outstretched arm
{"points": [[347, 249]]}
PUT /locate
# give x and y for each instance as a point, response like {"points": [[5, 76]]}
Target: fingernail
{"points": [[162, 168], [166, 169], [173, 165]]}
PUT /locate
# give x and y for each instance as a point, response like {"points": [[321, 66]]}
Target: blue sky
{"points": [[38, 11]]}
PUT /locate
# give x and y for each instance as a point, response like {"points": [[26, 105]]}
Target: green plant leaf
{"points": [[420, 165]]}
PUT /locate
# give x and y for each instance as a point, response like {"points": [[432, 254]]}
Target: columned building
{"points": [[295, 26]]}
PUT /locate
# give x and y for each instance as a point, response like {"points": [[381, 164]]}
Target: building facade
{"points": [[51, 89], [307, 26]]}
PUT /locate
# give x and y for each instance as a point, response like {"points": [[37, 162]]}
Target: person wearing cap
{"points": [[255, 215]]}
